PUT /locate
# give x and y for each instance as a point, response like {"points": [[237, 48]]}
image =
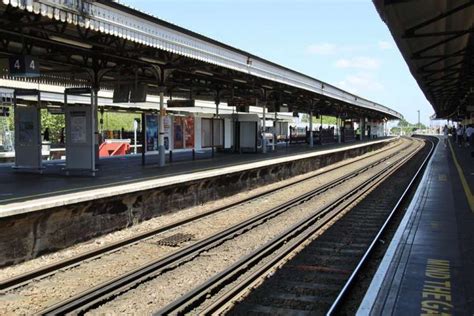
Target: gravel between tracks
{"points": [[40, 294]]}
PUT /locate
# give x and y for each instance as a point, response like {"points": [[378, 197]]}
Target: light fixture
{"points": [[183, 89], [240, 80], [152, 61], [70, 42], [286, 91], [202, 72], [268, 87]]}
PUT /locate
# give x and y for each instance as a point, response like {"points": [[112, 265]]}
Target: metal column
{"points": [[264, 140], [311, 141], [95, 123], [161, 136], [362, 128], [338, 120]]}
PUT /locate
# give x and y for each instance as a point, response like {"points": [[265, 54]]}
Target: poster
{"points": [[151, 121], [189, 132], [167, 127], [26, 132], [178, 132], [78, 127]]}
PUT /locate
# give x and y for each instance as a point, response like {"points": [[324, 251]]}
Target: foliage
{"points": [[327, 120], [54, 122], [113, 121], [406, 128]]}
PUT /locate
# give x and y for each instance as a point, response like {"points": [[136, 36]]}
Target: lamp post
{"points": [[419, 125]]}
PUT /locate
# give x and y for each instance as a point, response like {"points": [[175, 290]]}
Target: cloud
{"points": [[322, 49], [361, 83], [384, 45], [358, 62]]}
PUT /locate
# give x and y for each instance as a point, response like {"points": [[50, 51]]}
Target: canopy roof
{"points": [[105, 42], [436, 40]]}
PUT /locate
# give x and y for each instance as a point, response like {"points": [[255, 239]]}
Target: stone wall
{"points": [[27, 236]]}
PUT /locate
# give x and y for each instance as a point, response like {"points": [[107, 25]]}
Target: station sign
{"points": [[24, 66], [181, 103], [138, 93], [121, 93]]}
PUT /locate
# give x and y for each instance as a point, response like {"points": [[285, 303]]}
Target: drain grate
{"points": [[175, 240]]}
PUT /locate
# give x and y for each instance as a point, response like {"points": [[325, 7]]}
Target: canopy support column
{"points": [[161, 133]]}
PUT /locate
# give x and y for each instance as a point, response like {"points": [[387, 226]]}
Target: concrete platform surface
{"points": [[429, 266], [22, 192]]}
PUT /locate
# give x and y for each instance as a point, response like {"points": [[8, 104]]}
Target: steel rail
{"points": [[412, 185], [299, 232], [103, 292], [24, 279]]}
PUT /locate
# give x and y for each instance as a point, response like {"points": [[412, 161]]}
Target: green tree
{"points": [[113, 121], [328, 120], [54, 122]]}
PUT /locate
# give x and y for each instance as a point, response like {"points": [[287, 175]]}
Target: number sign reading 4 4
{"points": [[24, 66]]}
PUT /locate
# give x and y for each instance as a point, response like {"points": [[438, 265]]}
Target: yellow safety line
{"points": [[465, 185]]}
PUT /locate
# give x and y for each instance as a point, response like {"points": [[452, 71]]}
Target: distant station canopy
{"points": [[436, 40], [107, 45]]}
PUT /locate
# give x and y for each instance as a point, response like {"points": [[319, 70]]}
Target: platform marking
{"points": [[437, 297], [465, 185]]}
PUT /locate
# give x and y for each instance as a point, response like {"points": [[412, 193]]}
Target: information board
{"points": [[80, 153], [28, 137]]}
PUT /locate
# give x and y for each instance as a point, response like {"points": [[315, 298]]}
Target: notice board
{"points": [[80, 153], [28, 137]]}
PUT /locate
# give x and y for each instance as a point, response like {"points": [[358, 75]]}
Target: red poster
{"points": [[189, 131]]}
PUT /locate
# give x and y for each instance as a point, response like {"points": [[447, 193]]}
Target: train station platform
{"points": [[23, 192], [428, 268], [40, 213]]}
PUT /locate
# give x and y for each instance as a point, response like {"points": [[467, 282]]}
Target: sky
{"points": [[342, 42]]}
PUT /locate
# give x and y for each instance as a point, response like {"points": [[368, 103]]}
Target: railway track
{"points": [[107, 291], [51, 269], [219, 294]]}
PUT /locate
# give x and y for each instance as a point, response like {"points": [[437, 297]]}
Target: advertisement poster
{"points": [[178, 132], [151, 122], [167, 127], [189, 131], [78, 127]]}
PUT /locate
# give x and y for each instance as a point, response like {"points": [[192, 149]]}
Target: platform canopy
{"points": [[104, 44], [436, 40]]}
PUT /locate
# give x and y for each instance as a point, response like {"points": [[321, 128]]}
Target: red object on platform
{"points": [[107, 149]]}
